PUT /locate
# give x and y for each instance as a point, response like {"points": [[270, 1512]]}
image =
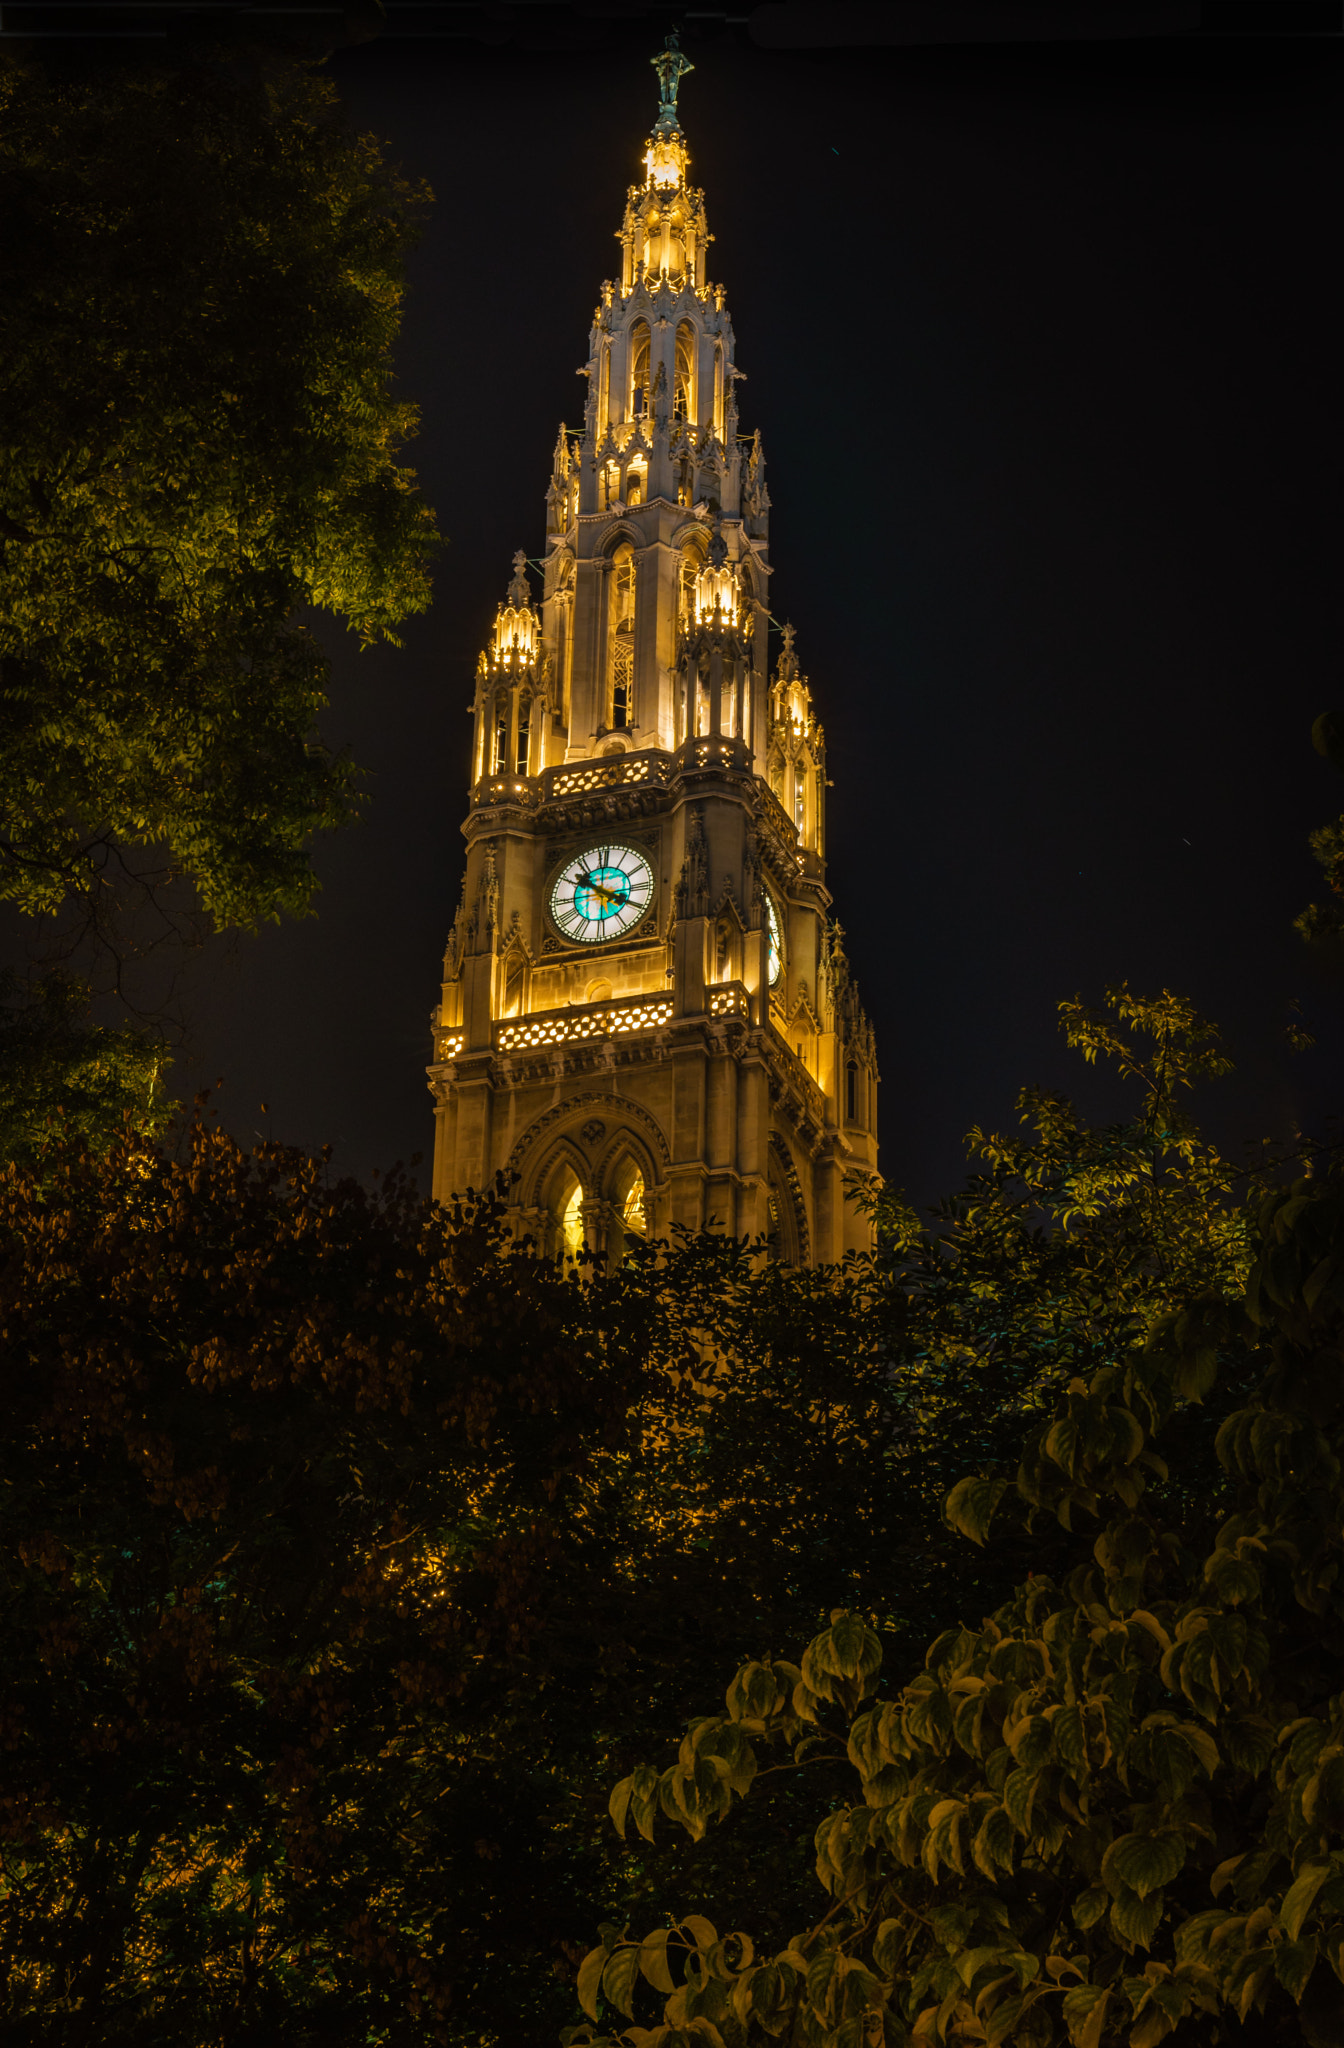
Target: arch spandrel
{"points": [[532, 1154]]}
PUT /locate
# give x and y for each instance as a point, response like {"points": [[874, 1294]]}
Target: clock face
{"points": [[601, 893], [775, 950]]}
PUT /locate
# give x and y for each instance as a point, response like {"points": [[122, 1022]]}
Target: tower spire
{"points": [[671, 67], [640, 1052]]}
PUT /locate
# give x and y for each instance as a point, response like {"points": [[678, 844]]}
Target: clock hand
{"points": [[590, 883]]}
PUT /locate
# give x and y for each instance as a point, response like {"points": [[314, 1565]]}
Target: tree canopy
{"points": [[64, 1079], [1114, 1806], [376, 1549], [200, 283]]}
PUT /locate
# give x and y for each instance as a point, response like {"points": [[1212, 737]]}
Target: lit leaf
{"points": [[590, 1978], [971, 1505], [1300, 1896]]}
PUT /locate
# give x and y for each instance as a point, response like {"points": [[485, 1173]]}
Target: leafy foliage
{"points": [[1117, 1806], [287, 1482], [1068, 1243], [331, 1525], [64, 1078], [199, 291], [736, 1441]]}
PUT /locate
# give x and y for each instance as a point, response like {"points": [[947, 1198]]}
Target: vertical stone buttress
{"points": [[647, 1014]]}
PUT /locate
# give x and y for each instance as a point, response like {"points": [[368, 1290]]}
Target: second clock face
{"points": [[601, 893]]}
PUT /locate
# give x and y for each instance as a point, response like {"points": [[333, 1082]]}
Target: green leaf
{"points": [[619, 1804], [1300, 1895], [1019, 1795], [973, 1960], [1144, 1862], [1005, 2016], [590, 1978], [620, 1977], [653, 1961], [1134, 1920], [971, 1505], [1089, 1906], [1084, 2011], [992, 1849], [700, 1930], [1293, 1964]]}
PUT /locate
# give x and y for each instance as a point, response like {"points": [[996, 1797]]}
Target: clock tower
{"points": [[647, 1014]]}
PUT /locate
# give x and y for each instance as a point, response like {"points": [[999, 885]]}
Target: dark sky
{"points": [[1044, 343]]}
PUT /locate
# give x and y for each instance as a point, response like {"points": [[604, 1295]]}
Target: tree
{"points": [[289, 1484], [739, 1440], [1115, 1807], [63, 1078], [200, 282]]}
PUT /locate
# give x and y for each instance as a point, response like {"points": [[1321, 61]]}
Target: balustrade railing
{"points": [[589, 1020], [616, 771]]}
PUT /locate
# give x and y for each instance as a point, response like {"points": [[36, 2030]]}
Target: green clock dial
{"points": [[774, 949], [601, 892]]}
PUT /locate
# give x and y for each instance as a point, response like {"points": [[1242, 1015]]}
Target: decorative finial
{"points": [[520, 591], [671, 67]]}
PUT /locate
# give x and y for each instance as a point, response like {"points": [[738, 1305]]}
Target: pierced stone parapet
{"points": [[593, 1020], [620, 772], [729, 999], [503, 789]]}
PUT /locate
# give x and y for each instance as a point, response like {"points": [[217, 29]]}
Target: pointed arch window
{"points": [[631, 1199], [683, 398], [571, 1216], [640, 387], [501, 763], [621, 660], [524, 732]]}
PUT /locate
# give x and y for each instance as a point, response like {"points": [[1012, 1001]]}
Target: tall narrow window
{"points": [[639, 368], [571, 1222], [630, 1193], [683, 402], [524, 732], [851, 1087], [622, 685], [691, 566], [799, 797], [501, 766]]}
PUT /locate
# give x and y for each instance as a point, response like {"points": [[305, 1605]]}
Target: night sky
{"points": [[1044, 344]]}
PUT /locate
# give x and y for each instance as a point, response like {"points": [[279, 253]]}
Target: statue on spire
{"points": [[671, 67]]}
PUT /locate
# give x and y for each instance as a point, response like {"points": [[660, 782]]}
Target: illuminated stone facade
{"points": [[647, 1013]]}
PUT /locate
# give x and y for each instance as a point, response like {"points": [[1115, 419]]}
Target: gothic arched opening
{"points": [[621, 638], [683, 391], [639, 369], [786, 1224], [568, 1211], [629, 1205]]}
